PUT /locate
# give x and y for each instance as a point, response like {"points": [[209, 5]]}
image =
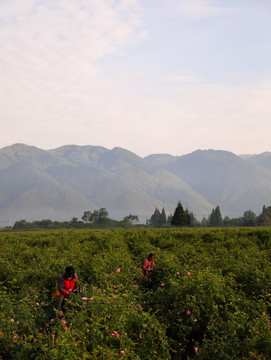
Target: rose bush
{"points": [[208, 297]]}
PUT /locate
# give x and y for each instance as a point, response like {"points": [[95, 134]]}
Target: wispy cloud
{"points": [[50, 51], [109, 73], [196, 9]]}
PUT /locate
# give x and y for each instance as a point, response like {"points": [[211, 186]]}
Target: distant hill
{"points": [[263, 160], [63, 183]]}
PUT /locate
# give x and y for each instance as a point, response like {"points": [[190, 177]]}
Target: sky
{"points": [[150, 76]]}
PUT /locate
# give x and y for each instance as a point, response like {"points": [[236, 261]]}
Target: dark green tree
{"points": [[158, 219], [265, 217], [155, 218], [193, 219], [75, 223], [169, 218], [249, 218], [163, 218], [22, 224], [227, 221], [87, 217], [97, 217], [131, 219], [101, 216], [215, 217], [219, 219], [204, 222], [180, 217], [267, 210]]}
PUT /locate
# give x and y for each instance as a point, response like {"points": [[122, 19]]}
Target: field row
{"points": [[208, 298]]}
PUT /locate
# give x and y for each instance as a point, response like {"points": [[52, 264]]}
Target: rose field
{"points": [[208, 297]]}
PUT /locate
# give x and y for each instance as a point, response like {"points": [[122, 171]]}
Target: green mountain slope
{"points": [[225, 179], [64, 182]]}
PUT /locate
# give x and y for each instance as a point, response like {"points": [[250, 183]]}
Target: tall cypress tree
{"points": [[216, 217], [180, 217], [163, 218], [155, 218]]}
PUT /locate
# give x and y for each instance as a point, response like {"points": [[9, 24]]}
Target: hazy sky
{"points": [[151, 76]]}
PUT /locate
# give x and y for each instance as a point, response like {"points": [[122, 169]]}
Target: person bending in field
{"points": [[67, 282], [148, 264]]}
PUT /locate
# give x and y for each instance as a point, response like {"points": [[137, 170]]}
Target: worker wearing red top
{"points": [[148, 264], [66, 284]]}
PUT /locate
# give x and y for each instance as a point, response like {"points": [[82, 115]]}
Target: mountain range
{"points": [[62, 183]]}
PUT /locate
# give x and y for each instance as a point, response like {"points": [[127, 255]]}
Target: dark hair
{"points": [[150, 255], [69, 270]]}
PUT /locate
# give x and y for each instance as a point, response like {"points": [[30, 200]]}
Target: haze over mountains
{"points": [[62, 183]]}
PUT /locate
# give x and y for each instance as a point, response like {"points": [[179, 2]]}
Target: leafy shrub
{"points": [[208, 298]]}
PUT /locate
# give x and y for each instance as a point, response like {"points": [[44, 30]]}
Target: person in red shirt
{"points": [[149, 264], [67, 282]]}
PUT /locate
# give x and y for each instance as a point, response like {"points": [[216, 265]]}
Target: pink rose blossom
{"points": [[188, 273], [91, 298], [122, 352], [196, 349], [84, 298], [162, 284], [118, 270], [188, 312], [115, 334]]}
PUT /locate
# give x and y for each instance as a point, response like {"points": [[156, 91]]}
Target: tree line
{"points": [[180, 218], [183, 217], [98, 219]]}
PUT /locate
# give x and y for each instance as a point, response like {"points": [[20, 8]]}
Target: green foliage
{"points": [[215, 217], [208, 297], [97, 219], [158, 219], [180, 217]]}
